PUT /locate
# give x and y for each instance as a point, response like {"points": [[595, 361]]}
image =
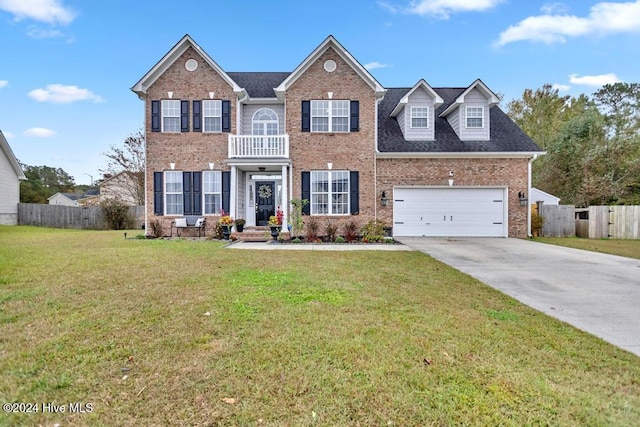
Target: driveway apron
{"points": [[595, 292]]}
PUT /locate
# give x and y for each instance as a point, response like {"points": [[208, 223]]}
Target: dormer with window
{"points": [[415, 112], [468, 115]]}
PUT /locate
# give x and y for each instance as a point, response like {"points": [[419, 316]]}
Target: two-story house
{"points": [[428, 161]]}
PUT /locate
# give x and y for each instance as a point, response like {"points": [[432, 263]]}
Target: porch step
{"points": [[252, 234]]}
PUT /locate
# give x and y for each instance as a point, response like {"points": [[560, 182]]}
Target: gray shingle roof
{"points": [[505, 135], [259, 85]]}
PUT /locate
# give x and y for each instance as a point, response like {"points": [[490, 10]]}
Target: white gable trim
{"points": [[492, 98], [405, 99], [167, 60], [4, 145], [330, 42]]}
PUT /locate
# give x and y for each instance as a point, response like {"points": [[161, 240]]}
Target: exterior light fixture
{"points": [[522, 196], [450, 178], [383, 198]]}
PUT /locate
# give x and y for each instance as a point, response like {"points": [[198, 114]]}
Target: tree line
{"points": [[592, 143]]}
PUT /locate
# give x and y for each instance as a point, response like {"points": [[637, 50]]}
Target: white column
{"points": [[284, 195], [233, 193]]}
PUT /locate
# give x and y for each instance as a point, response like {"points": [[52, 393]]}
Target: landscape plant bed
{"points": [[184, 332]]}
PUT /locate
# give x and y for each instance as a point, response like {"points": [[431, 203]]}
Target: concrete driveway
{"points": [[595, 292]]}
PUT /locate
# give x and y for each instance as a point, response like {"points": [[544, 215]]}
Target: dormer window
{"points": [[419, 117], [475, 117]]}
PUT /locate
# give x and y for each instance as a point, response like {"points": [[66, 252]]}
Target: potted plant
{"points": [[275, 223], [227, 225], [240, 222]]}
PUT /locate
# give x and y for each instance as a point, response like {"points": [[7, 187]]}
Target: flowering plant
{"points": [[225, 219], [276, 220]]}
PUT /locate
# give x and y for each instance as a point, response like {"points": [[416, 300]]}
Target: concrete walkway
{"points": [[595, 292]]}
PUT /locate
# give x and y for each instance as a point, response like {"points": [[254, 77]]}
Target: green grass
{"points": [[182, 332], [627, 248]]}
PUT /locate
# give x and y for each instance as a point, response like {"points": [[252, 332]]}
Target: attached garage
{"points": [[449, 212]]}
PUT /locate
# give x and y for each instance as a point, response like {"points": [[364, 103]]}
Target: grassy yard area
{"points": [[159, 332], [623, 247]]}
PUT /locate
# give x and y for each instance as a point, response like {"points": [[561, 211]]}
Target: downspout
{"points": [[531, 160]]}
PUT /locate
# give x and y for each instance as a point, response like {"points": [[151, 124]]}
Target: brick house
{"points": [[427, 161]]}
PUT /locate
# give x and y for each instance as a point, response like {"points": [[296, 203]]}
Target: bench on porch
{"points": [[190, 221]]}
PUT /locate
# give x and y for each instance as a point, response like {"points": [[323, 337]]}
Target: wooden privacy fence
{"points": [[57, 216], [594, 222]]}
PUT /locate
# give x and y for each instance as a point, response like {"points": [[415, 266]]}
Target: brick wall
{"points": [[511, 173], [190, 151], [354, 151]]}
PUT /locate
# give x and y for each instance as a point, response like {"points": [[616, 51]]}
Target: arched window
{"points": [[265, 122]]}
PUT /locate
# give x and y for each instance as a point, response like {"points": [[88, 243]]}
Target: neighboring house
{"points": [[10, 176], [121, 186], [65, 199], [427, 161], [536, 196]]}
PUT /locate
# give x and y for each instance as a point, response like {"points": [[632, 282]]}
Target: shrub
{"points": [[350, 231], [537, 222], [155, 229], [330, 231], [117, 215], [295, 216], [373, 231], [296, 240], [312, 229], [339, 239]]}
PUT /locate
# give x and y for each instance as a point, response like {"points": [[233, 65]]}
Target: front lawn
{"points": [[182, 332], [622, 247]]}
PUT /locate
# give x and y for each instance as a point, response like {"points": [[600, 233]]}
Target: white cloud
{"points": [[595, 81], [60, 94], [442, 9], [560, 87], [39, 33], [7, 135], [49, 11], [554, 8], [375, 64], [40, 132], [4, 83], [604, 18]]}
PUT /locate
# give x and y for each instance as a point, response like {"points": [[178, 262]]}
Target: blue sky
{"points": [[67, 66]]}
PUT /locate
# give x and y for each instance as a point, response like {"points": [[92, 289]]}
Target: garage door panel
{"points": [[442, 212]]}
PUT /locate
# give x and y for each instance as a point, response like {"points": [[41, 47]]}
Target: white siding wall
{"points": [[9, 192], [474, 99], [419, 98], [249, 110], [401, 121], [454, 121], [241, 192]]}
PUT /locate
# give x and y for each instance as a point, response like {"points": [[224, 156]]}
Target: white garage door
{"points": [[449, 212]]}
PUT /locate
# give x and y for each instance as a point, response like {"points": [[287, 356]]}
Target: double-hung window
{"points": [[419, 117], [212, 191], [170, 115], [330, 116], [173, 192], [329, 192], [212, 115], [475, 117]]}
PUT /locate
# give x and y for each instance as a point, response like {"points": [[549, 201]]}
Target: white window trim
{"points": [[466, 117], [205, 193], [330, 193], [331, 116], [163, 115], [421, 117], [205, 116], [167, 193]]}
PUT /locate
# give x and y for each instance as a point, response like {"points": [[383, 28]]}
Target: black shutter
{"points": [[354, 192], [306, 116], [306, 192], [226, 116], [157, 193], [155, 116], [226, 192], [355, 116], [187, 196], [184, 116], [197, 116], [197, 193]]}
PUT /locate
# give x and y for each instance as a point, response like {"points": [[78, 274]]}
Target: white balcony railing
{"points": [[259, 146]]}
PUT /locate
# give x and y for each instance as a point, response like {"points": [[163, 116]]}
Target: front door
{"points": [[265, 201]]}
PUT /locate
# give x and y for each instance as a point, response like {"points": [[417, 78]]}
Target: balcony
{"points": [[259, 146]]}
